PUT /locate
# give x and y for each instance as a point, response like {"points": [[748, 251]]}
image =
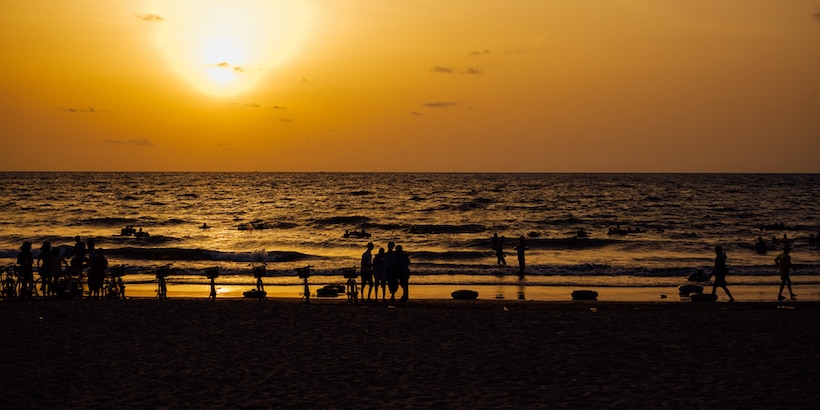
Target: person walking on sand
{"points": [[520, 248], [367, 270], [719, 271], [498, 247], [784, 263], [380, 272], [403, 270]]}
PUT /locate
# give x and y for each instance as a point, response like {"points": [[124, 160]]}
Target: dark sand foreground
{"points": [[436, 354]]}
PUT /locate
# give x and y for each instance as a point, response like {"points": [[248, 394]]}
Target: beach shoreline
{"points": [[741, 293], [279, 353]]}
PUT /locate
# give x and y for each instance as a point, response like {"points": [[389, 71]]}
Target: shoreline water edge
{"points": [[600, 231]]}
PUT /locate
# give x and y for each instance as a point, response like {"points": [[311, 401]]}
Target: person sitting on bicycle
{"points": [[25, 263]]}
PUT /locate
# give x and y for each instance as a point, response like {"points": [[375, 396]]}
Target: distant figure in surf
{"points": [[719, 271], [520, 248], [498, 247], [380, 272], [784, 264], [367, 271]]}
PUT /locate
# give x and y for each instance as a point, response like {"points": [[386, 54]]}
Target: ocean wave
{"points": [[443, 228], [108, 221], [199, 255], [342, 220]]}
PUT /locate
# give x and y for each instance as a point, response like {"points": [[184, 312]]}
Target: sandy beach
{"points": [[281, 353]]}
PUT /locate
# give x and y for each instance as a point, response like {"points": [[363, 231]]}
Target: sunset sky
{"points": [[421, 85]]}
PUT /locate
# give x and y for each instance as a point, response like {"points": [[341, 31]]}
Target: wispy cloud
{"points": [[151, 17], [816, 13], [416, 113], [86, 110], [441, 69], [139, 142], [476, 53], [450, 70], [440, 104], [228, 66], [257, 105]]}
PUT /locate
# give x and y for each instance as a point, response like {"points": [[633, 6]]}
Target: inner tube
{"points": [[464, 294], [255, 294], [330, 291], [584, 295]]}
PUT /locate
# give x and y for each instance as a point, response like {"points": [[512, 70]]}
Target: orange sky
{"points": [[423, 85]]}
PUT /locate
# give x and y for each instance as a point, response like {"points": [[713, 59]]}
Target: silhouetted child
{"points": [[719, 272], [784, 264]]}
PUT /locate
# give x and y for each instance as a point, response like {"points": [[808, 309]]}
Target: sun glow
{"points": [[225, 48]]}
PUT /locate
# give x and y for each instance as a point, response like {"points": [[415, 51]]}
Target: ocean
{"points": [[580, 229]]}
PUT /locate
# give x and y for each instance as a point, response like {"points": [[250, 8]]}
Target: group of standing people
{"points": [[784, 266], [388, 270], [60, 278]]}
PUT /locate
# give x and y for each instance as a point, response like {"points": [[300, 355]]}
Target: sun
{"points": [[225, 48]]}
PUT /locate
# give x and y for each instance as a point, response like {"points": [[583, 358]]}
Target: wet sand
{"points": [[742, 293], [281, 353]]}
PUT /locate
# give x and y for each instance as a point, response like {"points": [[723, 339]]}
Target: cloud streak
{"points": [[440, 104], [150, 17], [86, 110], [142, 142], [441, 69]]}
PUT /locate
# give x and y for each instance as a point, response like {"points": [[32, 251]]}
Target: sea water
{"points": [[669, 223]]}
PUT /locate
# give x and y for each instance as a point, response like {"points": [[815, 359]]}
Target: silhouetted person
{"points": [[380, 272], [498, 247], [403, 270], [784, 264], [57, 263], [25, 266], [520, 248], [392, 271], [719, 271], [97, 265], [367, 270], [44, 261], [79, 261], [79, 247], [760, 246]]}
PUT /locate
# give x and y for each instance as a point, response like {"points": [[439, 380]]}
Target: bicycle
{"points": [[114, 287], [161, 273], [9, 290]]}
